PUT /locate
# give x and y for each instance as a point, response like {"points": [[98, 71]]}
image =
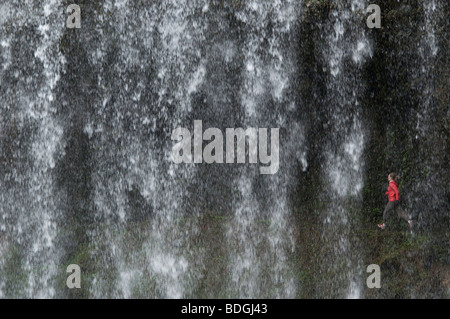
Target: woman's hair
{"points": [[394, 176]]}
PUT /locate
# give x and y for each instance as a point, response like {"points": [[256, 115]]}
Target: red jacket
{"points": [[393, 191]]}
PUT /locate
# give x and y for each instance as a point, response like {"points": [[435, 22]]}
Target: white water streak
{"points": [[34, 207], [264, 78], [344, 168]]}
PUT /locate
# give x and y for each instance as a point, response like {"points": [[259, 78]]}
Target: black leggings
{"points": [[395, 206]]}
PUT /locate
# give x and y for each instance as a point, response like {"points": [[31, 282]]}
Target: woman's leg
{"points": [[401, 213], [387, 209]]}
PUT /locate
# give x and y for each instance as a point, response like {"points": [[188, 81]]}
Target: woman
{"points": [[394, 202]]}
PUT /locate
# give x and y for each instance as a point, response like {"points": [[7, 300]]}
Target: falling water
{"points": [[428, 206], [345, 51], [32, 139], [427, 113], [87, 115], [132, 130], [260, 230]]}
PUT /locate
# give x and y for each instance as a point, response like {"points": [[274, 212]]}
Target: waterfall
{"points": [[156, 71], [87, 174], [427, 114], [32, 144], [429, 198], [261, 212], [346, 49]]}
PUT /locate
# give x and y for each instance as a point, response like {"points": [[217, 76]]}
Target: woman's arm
{"points": [[396, 192]]}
